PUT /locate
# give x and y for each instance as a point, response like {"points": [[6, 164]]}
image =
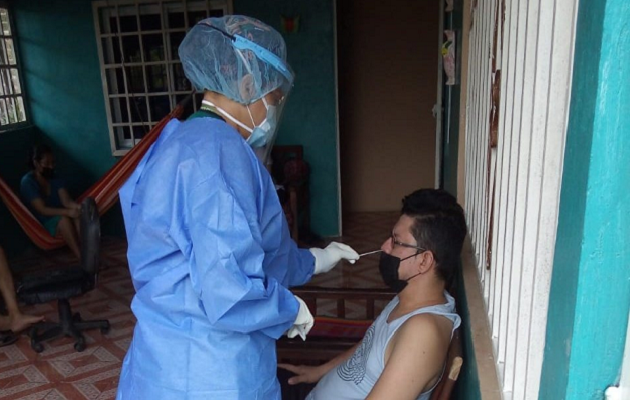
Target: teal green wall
{"points": [[450, 99], [62, 77], [310, 114], [14, 146], [467, 386], [590, 289], [62, 73]]}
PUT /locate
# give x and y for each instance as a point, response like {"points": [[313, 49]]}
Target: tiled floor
{"points": [[59, 372]]}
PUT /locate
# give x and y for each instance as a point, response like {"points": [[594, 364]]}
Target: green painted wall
{"points": [[467, 386], [62, 73], [14, 146], [590, 289], [62, 78], [450, 99], [310, 114]]}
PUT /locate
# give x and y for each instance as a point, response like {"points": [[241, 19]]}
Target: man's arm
{"points": [[310, 374], [417, 355]]}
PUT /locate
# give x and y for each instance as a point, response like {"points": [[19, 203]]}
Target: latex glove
{"points": [[326, 259], [303, 322]]}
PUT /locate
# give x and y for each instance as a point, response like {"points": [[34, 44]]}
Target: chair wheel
{"points": [[37, 347], [76, 317], [105, 330], [32, 332], [80, 345]]}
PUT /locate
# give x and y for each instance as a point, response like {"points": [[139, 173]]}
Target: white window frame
{"points": [[127, 122], [13, 112]]}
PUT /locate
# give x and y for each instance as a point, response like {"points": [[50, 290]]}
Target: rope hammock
{"points": [[104, 191]]}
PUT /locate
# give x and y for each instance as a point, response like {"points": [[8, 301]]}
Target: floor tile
{"points": [[59, 372]]}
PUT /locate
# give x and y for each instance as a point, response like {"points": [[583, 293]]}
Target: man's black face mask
{"points": [[388, 266]]}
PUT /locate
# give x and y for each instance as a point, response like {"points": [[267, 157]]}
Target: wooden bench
{"points": [[320, 345], [290, 170]]}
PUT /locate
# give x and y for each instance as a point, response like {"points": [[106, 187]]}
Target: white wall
{"points": [[513, 189]]}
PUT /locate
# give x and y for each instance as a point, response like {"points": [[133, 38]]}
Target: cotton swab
{"points": [[370, 252]]}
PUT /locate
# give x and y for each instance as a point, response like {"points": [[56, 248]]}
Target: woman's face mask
{"points": [[46, 166], [48, 172], [389, 266], [261, 134]]}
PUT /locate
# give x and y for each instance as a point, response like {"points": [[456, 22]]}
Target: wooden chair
{"points": [[454, 361], [321, 346], [290, 170]]}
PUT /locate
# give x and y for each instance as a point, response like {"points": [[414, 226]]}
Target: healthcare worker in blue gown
{"points": [[209, 249]]}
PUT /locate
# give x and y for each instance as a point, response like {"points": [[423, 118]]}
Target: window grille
{"points": [[143, 78]]}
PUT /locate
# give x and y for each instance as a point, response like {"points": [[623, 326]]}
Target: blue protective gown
{"points": [[211, 259]]}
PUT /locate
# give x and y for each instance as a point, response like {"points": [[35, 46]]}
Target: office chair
{"points": [[66, 283]]}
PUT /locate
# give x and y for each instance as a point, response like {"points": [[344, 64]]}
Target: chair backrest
{"points": [[90, 236], [454, 361], [289, 166]]}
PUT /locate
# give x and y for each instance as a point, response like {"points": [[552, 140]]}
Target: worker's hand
{"points": [[303, 373], [326, 259], [303, 322]]}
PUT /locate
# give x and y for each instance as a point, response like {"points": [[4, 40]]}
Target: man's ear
{"points": [[247, 88], [427, 261]]}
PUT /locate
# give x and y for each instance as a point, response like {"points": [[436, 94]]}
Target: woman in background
{"points": [[48, 199]]}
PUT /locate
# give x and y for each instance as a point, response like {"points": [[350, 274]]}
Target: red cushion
{"points": [[339, 328]]}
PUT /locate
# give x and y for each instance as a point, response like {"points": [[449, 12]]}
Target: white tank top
{"points": [[355, 378]]}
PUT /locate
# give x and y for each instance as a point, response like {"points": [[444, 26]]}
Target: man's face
{"points": [[402, 244]]}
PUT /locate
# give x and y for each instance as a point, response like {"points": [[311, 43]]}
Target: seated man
{"points": [[403, 353]]}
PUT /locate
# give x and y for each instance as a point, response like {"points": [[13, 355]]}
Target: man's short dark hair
{"points": [[439, 226]]}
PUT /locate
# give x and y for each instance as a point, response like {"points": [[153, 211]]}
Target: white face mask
{"points": [[259, 135]]}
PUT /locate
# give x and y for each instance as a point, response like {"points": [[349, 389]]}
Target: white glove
{"points": [[303, 322], [326, 259]]}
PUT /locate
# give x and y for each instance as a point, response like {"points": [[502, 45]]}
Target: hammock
{"points": [[104, 191]]}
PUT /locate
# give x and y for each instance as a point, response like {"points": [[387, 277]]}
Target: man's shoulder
{"points": [[430, 329], [426, 324]]}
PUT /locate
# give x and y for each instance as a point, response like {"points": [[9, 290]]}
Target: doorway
{"points": [[387, 57]]}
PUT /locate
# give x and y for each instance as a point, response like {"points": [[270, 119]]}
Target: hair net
{"points": [[237, 56]]}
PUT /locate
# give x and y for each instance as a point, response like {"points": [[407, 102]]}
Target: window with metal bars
{"points": [[12, 110], [143, 78]]}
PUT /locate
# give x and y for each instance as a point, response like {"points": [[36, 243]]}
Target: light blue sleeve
{"points": [[289, 264], [227, 266]]}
